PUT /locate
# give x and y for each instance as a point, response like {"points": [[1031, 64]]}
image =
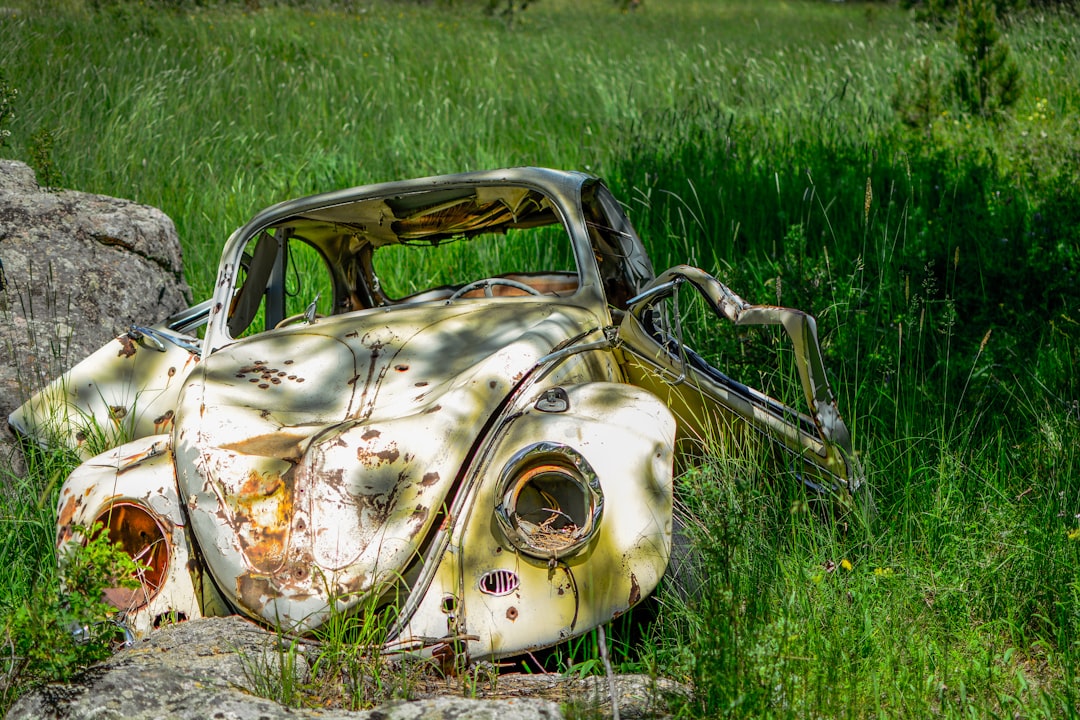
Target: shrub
{"points": [[53, 635], [989, 79]]}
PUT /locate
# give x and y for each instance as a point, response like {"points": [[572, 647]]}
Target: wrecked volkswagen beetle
{"points": [[463, 397]]}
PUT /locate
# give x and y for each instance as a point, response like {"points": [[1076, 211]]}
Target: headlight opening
{"points": [[549, 502], [140, 535]]}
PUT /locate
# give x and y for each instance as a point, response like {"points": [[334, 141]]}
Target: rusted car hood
{"points": [[330, 451]]}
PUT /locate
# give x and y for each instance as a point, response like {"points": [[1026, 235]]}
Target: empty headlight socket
{"points": [[549, 501], [141, 536]]}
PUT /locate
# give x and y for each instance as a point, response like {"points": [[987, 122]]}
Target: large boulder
{"points": [[76, 270], [208, 669], [204, 669]]}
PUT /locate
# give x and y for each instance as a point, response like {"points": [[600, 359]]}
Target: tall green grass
{"points": [[759, 141]]}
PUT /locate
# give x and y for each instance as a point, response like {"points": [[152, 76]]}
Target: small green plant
{"points": [[988, 82], [349, 665], [58, 632], [917, 97], [276, 674], [8, 94], [41, 159], [342, 665]]}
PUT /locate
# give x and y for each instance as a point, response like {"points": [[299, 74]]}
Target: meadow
{"points": [[807, 153]]}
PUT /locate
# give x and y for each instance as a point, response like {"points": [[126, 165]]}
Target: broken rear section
{"points": [[659, 333]]}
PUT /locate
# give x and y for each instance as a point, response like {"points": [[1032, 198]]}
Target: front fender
{"points": [[131, 490], [507, 600], [127, 389]]}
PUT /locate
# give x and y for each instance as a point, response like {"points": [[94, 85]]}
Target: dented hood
{"points": [[328, 449]]}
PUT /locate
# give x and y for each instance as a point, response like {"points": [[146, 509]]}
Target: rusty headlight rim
{"points": [[143, 536], [547, 469]]}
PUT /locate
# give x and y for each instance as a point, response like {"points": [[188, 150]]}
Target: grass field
{"points": [[760, 141]]}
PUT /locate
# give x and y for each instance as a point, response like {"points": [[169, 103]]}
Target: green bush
{"points": [[58, 631], [989, 80]]}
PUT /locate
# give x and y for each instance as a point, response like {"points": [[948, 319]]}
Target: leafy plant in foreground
{"points": [[53, 635], [41, 159]]}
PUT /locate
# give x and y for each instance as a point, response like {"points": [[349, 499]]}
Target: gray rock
{"points": [[75, 270], [203, 669], [639, 697], [207, 669]]}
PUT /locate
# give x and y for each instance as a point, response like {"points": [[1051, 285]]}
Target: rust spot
{"points": [[369, 456], [511, 613], [401, 368], [117, 412], [430, 479], [67, 513], [258, 485], [127, 346], [299, 379], [163, 420], [353, 334], [296, 572], [635, 590], [443, 653], [369, 434], [217, 308], [433, 409], [352, 380], [172, 371], [493, 384], [422, 383], [289, 362], [263, 386], [263, 513], [80, 437], [260, 362], [279, 444], [254, 590]]}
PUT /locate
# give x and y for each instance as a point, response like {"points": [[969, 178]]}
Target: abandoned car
{"points": [[463, 397]]}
